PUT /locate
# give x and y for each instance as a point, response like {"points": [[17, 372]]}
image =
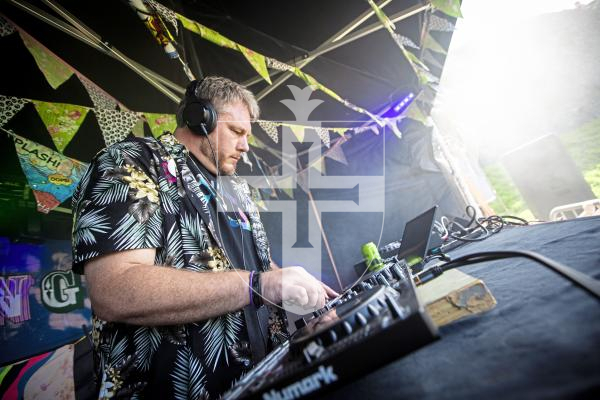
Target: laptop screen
{"points": [[415, 239]]}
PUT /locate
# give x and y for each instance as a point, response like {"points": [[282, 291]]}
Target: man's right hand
{"points": [[295, 287]]}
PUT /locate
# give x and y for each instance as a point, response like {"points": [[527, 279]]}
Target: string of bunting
{"points": [[261, 63]]}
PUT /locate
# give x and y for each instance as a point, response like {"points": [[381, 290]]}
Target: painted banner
{"points": [[43, 303], [61, 120], [52, 176]]}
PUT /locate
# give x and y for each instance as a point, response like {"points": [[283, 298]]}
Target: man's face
{"points": [[230, 138]]}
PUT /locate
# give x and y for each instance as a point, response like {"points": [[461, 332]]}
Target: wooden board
{"points": [[455, 295]]}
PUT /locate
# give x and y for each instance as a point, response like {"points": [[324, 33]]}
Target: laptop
{"points": [[414, 245]]}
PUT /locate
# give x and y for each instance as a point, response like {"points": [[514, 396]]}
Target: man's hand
{"points": [[296, 287]]}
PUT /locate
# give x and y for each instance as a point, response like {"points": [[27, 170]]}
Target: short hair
{"points": [[220, 91]]}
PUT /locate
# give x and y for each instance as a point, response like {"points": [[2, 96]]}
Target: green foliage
{"points": [[508, 199], [582, 144]]}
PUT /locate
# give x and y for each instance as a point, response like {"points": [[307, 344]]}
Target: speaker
{"points": [[546, 175], [198, 114]]}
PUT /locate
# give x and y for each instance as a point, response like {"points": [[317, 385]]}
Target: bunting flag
{"points": [[337, 153], [298, 131], [9, 106], [339, 131], [429, 57], [54, 69], [414, 112], [52, 176], [420, 69], [159, 123], [431, 44], [115, 125], [138, 128], [61, 120], [319, 165], [99, 97], [323, 134], [440, 24], [6, 28], [257, 61], [278, 65], [270, 129], [449, 7], [285, 184], [399, 39], [167, 14]]}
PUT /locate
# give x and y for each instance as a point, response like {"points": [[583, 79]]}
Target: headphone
{"points": [[198, 114]]}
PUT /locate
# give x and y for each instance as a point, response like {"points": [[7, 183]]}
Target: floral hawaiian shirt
{"points": [[141, 193]]}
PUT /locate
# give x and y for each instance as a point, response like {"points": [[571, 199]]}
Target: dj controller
{"points": [[377, 320]]}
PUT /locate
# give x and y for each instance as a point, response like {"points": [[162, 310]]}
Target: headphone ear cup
{"points": [[200, 116]]}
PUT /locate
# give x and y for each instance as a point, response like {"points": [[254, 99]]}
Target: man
{"points": [[176, 258]]}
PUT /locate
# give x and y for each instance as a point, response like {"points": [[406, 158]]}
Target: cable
{"points": [[580, 279]]}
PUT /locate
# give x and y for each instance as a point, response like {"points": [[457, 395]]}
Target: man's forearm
{"points": [[151, 295]]}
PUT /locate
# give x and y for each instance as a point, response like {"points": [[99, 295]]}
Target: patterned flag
{"points": [[61, 120], [115, 125], [160, 123], [270, 128], [52, 176], [440, 24], [6, 28], [54, 69], [165, 13], [99, 97], [323, 134], [9, 106]]}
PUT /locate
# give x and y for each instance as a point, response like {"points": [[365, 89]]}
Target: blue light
{"points": [[398, 108]]}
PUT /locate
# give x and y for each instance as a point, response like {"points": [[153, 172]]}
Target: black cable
{"points": [[580, 279]]}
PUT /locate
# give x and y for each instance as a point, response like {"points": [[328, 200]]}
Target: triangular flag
{"points": [[399, 39], [319, 165], [449, 7], [430, 43], [115, 125], [337, 153], [99, 97], [165, 13], [257, 61], [394, 128], [298, 131], [414, 112], [430, 58], [440, 24], [6, 28], [52, 176], [54, 69], [286, 184], [61, 120], [207, 33], [270, 128], [159, 123], [323, 134], [339, 131], [9, 106], [138, 128], [382, 17]]}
